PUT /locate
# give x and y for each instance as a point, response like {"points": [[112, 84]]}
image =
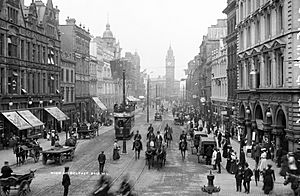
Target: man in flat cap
{"points": [[66, 181]]}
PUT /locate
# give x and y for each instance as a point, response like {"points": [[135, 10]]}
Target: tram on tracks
{"points": [[124, 121]]}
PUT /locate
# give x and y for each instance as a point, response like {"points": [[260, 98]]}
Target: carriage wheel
{"points": [[4, 193], [24, 188], [44, 159]]}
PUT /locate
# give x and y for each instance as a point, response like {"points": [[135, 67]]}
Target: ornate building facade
{"points": [[268, 71], [106, 49], [29, 65]]}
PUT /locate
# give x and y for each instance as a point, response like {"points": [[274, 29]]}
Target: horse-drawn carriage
{"points": [[28, 150], [20, 183], [84, 131], [179, 120], [204, 143], [155, 150], [60, 153]]}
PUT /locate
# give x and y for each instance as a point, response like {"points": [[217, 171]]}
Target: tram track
{"points": [[92, 164]]}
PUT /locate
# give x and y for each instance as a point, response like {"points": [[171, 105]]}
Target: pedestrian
{"points": [[278, 156], [219, 138], [263, 160], [213, 160], [238, 178], [257, 153], [209, 152], [247, 178], [52, 137], [242, 158], [66, 181], [6, 171], [228, 163], [234, 162], [269, 178], [292, 163], [101, 160], [116, 149], [256, 174], [218, 161]]}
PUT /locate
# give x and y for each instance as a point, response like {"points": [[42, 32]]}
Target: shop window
{"points": [[72, 94], [51, 83]]}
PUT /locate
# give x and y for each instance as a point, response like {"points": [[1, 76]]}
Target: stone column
{"points": [[248, 131], [262, 71], [273, 69]]}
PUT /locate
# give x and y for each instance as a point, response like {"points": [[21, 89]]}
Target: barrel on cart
{"points": [[59, 154]]}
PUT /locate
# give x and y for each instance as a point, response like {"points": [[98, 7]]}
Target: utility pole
{"points": [[148, 99], [124, 104], [156, 97]]}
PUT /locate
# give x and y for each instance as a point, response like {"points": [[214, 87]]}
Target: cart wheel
{"points": [[4, 192], [44, 159], [24, 188], [60, 160]]}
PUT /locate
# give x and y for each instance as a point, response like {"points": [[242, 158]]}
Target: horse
{"points": [[295, 183], [183, 148], [137, 145], [20, 154], [168, 137], [150, 157]]}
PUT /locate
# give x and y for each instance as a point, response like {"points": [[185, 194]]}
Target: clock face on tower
{"points": [[169, 63]]}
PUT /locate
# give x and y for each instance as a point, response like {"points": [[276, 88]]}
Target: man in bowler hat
{"points": [[66, 181]]}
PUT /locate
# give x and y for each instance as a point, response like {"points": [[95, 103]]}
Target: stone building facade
{"points": [[219, 83], [29, 64], [231, 42], [268, 71], [76, 39], [67, 86]]}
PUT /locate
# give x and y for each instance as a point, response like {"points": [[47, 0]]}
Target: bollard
{"points": [[210, 188]]}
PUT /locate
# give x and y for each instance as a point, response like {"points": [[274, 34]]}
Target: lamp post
{"points": [[124, 104], [10, 104], [148, 97]]}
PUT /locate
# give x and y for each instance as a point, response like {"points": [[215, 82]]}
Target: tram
{"points": [[124, 122]]}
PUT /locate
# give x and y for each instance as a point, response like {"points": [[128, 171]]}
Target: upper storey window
{"points": [[12, 15], [12, 46]]}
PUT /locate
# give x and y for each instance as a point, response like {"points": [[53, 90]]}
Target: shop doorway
{"points": [[259, 123], [281, 122]]}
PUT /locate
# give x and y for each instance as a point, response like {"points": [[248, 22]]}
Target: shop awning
{"points": [[16, 120], [30, 118], [57, 113], [132, 98], [99, 103]]}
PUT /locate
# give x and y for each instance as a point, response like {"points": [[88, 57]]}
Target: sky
{"points": [[148, 27]]}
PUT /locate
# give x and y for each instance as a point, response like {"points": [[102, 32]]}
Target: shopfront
{"points": [[16, 126], [55, 117]]}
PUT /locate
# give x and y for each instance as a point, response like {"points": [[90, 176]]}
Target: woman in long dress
{"points": [[269, 178], [263, 161], [116, 149]]}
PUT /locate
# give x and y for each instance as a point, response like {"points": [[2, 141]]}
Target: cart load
{"points": [[72, 141], [59, 154], [20, 183]]}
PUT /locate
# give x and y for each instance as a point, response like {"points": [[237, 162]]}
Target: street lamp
{"points": [[50, 101], [248, 111], [10, 103]]}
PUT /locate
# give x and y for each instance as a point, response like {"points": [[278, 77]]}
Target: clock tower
{"points": [[170, 72]]}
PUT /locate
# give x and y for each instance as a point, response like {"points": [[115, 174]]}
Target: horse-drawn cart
{"points": [[20, 183], [59, 154], [85, 131]]}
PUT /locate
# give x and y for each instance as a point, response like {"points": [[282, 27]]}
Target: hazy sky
{"points": [[148, 26]]}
